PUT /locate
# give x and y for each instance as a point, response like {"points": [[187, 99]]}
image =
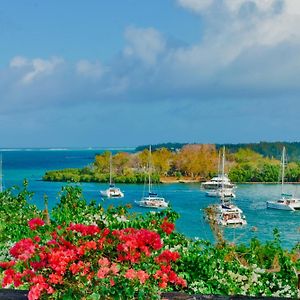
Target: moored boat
{"points": [[287, 201], [112, 191], [152, 200]]}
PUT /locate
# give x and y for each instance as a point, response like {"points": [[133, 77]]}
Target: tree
{"points": [[102, 162], [162, 159]]}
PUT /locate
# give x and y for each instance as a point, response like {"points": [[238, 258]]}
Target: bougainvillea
{"points": [[86, 259]]}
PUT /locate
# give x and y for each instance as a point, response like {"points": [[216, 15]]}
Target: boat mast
{"points": [[219, 162], [282, 168], [149, 171], [223, 167], [110, 167]]}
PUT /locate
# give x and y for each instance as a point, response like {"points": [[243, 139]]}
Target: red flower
{"points": [[36, 222], [24, 249], [8, 277], [55, 278], [167, 227], [7, 264], [167, 256], [84, 229]]}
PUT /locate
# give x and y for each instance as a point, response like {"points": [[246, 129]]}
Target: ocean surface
{"points": [[187, 199]]}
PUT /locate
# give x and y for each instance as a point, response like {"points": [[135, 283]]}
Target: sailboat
{"points": [[152, 200], [112, 191], [224, 190], [287, 201], [217, 181]]}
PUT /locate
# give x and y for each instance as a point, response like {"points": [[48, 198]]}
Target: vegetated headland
{"points": [[175, 162]]}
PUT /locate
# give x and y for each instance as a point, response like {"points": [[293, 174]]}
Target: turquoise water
{"points": [[187, 199]]}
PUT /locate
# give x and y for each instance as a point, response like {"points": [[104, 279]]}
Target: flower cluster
{"points": [[133, 243], [167, 226], [35, 223], [87, 258]]}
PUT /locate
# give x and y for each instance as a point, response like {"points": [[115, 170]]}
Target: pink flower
{"points": [[130, 274], [24, 249], [142, 276], [114, 268], [36, 222], [104, 262], [103, 272]]}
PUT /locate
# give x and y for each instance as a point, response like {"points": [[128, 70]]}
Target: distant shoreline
{"points": [[170, 180]]}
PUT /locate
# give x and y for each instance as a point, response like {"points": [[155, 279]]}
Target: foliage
{"points": [[196, 161], [15, 211], [87, 252]]}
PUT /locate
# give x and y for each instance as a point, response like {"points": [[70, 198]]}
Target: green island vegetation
{"points": [[79, 250], [192, 162]]}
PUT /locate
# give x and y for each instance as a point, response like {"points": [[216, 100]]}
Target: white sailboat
{"points": [[224, 190], [152, 200], [217, 181], [287, 201], [112, 191]]}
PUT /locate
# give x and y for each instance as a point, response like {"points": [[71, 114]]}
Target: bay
{"points": [[186, 199]]}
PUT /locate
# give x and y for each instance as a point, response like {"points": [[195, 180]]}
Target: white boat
{"points": [[217, 181], [221, 192], [287, 201], [152, 200], [224, 187], [226, 214], [112, 191], [229, 214]]}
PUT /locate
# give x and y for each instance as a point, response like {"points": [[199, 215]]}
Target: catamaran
{"points": [[226, 214], [230, 215], [152, 200], [287, 201], [112, 191]]}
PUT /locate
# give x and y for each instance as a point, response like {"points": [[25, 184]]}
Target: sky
{"points": [[123, 73]]}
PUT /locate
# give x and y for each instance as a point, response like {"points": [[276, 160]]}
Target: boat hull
{"points": [[152, 202], [283, 205], [112, 193]]}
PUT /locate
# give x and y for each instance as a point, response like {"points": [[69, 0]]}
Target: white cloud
{"points": [[197, 6], [35, 67], [145, 44], [18, 61], [89, 69]]}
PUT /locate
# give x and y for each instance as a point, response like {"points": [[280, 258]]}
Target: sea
{"points": [[189, 200]]}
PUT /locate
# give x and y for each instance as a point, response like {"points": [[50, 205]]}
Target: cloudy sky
{"points": [[131, 72]]}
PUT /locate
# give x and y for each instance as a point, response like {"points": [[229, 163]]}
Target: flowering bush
{"points": [[88, 252], [87, 261]]}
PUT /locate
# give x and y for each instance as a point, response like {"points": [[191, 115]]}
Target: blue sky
{"points": [[130, 72]]}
